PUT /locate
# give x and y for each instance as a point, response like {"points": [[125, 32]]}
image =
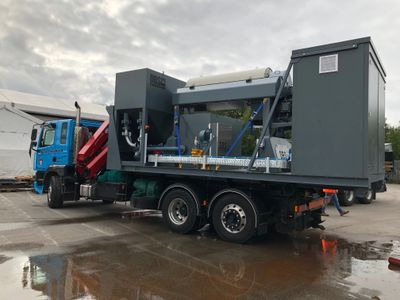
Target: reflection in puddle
{"points": [[199, 267], [13, 283]]}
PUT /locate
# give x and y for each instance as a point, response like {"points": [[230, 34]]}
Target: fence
{"points": [[394, 177]]}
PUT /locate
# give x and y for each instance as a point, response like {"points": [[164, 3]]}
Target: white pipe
{"points": [[126, 132], [145, 148], [211, 138]]}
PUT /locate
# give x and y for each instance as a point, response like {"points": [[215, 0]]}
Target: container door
{"points": [[373, 118], [381, 131]]}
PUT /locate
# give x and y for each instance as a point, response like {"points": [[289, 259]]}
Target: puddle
{"points": [[4, 258], [86, 219], [164, 265], [20, 246]]}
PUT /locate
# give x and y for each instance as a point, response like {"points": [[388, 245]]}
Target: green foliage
{"points": [[392, 135], [249, 138], [243, 115]]}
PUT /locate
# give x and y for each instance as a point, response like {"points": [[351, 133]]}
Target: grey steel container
{"points": [[339, 111], [147, 95]]}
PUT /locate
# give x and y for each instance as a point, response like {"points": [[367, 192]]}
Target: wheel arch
{"points": [[181, 186], [224, 192], [46, 180], [56, 170]]}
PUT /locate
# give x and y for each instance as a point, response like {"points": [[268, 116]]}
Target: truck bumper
{"points": [[309, 214], [38, 187], [310, 206]]}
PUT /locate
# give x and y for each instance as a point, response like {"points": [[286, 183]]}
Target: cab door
{"points": [[52, 146]]}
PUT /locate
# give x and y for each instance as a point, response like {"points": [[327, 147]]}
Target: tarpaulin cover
{"points": [[15, 134]]}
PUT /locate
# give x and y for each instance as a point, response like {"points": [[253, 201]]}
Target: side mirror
{"points": [[34, 134], [33, 144]]}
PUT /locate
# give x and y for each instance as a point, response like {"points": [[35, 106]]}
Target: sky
{"points": [[72, 49]]}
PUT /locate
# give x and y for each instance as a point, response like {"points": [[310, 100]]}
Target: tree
{"points": [[392, 135], [248, 141]]}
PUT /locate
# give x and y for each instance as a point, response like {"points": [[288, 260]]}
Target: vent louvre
{"points": [[328, 63]]}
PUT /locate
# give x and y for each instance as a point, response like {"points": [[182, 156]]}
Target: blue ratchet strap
{"points": [[249, 123]]}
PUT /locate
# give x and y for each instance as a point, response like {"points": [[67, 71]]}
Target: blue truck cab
{"points": [[53, 146]]}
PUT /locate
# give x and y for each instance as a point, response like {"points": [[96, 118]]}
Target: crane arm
{"points": [[92, 158]]}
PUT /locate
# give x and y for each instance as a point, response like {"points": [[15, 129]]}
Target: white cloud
{"points": [[74, 48]]}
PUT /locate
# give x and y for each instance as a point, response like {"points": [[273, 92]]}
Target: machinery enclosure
{"points": [[339, 111]]}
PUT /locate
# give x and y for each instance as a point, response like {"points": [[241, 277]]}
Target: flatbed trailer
{"points": [[168, 144]]}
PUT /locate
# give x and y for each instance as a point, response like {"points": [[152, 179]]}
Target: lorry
{"points": [[170, 145]]}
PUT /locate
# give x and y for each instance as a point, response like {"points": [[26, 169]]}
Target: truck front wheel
{"points": [[179, 211], [54, 193], [234, 218]]}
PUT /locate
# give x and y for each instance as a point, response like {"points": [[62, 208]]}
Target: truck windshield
{"points": [[47, 137]]}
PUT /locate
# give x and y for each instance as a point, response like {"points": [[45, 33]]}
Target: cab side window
{"points": [[48, 137], [64, 128]]}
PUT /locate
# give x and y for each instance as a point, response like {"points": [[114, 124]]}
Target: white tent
{"points": [[46, 108], [15, 136]]}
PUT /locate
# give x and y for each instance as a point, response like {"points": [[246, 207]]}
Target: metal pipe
{"points": [[129, 142], [208, 146], [145, 148], [211, 139], [217, 140], [177, 128], [165, 148], [77, 132], [78, 114], [126, 133], [271, 112]]}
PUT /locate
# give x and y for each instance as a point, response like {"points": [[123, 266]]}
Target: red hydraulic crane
{"points": [[92, 158]]}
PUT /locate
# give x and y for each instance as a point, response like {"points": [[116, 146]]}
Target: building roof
{"points": [[20, 113], [49, 106]]}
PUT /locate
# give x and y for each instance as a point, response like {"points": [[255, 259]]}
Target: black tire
{"points": [[107, 202], [54, 193], [373, 195], [226, 214], [367, 199], [346, 197], [179, 211]]}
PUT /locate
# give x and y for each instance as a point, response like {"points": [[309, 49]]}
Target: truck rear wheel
{"points": [[179, 211], [234, 218], [367, 199], [54, 193], [346, 197]]}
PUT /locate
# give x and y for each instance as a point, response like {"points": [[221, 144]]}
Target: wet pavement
{"points": [[87, 251]]}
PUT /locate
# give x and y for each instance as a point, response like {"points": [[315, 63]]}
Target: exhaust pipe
{"points": [[78, 114], [80, 133]]}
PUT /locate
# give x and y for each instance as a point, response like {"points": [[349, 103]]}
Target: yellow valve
{"points": [[197, 152]]}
